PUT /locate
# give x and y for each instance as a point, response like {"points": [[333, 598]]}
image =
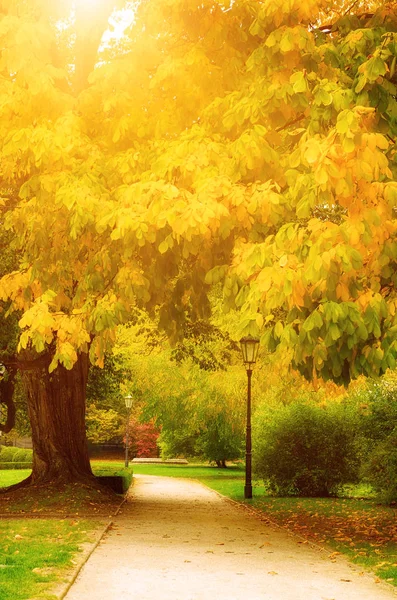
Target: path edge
{"points": [[257, 513], [86, 555]]}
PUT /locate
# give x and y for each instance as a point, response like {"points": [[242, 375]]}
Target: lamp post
{"points": [[249, 349], [2, 372], [128, 403]]}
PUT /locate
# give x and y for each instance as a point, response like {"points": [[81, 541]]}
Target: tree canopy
{"points": [[247, 142]]}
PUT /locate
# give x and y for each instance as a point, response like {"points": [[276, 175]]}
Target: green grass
{"points": [[353, 525], [36, 555], [9, 477]]}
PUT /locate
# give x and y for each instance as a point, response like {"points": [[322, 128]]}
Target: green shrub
{"points": [[13, 466], [19, 455], [7, 453], [377, 402], [307, 450], [13, 454], [380, 469]]}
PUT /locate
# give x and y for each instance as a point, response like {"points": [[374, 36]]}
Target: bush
{"points": [[7, 453], [380, 469], [13, 466], [306, 450], [377, 402], [22, 455], [13, 454]]}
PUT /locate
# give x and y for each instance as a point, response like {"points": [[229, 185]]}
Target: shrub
{"points": [[7, 453], [377, 402], [13, 454], [12, 466], [380, 469], [307, 450], [22, 455]]}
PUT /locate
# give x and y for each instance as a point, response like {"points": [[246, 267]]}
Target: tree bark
{"points": [[6, 398], [56, 406]]}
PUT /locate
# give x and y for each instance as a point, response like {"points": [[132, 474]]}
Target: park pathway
{"points": [[177, 540]]}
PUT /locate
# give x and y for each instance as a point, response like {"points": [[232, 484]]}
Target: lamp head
{"points": [[249, 349], [128, 401]]}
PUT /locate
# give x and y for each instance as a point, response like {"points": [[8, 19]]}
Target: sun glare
{"points": [[88, 2], [119, 20]]}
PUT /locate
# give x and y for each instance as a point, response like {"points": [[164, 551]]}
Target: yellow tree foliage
{"points": [[250, 142]]}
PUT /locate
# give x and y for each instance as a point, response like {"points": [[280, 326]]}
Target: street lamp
{"points": [[128, 403], [249, 349], [2, 372]]}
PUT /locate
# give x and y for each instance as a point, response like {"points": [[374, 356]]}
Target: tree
{"points": [[44, 149], [103, 425], [201, 413], [132, 171], [90, 225], [321, 281], [143, 438]]}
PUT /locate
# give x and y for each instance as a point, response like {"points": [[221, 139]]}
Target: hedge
{"points": [[9, 466]]}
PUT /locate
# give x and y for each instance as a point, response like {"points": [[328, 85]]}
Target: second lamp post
{"points": [[128, 403], [249, 349]]}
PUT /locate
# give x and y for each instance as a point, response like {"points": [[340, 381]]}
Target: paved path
{"points": [[177, 540]]}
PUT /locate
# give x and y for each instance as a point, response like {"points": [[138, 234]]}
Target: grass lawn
{"points": [[9, 477], [35, 555], [359, 528]]}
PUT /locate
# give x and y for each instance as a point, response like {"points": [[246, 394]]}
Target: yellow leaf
{"points": [[283, 260], [313, 151]]}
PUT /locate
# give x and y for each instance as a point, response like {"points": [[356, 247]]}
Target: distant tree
{"points": [[143, 438], [103, 425]]}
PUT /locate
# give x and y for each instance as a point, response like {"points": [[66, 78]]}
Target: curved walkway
{"points": [[177, 540]]}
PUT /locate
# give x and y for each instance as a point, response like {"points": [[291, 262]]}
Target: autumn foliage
{"points": [[263, 130], [250, 144], [143, 438]]}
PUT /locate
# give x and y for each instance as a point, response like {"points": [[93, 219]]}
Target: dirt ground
{"points": [[177, 540]]}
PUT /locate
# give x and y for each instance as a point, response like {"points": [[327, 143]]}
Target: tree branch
{"points": [[331, 27], [296, 120]]}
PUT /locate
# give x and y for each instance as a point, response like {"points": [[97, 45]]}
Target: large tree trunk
{"points": [[56, 405]]}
